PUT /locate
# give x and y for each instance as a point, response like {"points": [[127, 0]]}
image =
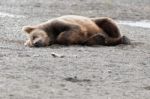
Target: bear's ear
{"points": [[28, 29]]}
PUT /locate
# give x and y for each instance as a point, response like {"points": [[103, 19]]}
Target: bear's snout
{"points": [[38, 44]]}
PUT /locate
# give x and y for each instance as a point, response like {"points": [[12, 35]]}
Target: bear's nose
{"points": [[38, 44]]}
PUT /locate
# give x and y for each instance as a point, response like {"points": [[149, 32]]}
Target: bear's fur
{"points": [[71, 29]]}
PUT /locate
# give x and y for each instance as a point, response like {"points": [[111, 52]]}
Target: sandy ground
{"points": [[78, 72]]}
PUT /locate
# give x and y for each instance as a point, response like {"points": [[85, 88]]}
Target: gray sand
{"points": [[74, 72]]}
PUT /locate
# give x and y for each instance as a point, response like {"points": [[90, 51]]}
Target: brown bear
{"points": [[72, 29]]}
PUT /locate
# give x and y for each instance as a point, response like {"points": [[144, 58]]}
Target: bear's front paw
{"points": [[28, 43]]}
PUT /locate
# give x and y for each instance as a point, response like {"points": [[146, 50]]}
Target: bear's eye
{"points": [[34, 37]]}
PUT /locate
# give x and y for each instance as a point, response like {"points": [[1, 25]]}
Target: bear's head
{"points": [[37, 37]]}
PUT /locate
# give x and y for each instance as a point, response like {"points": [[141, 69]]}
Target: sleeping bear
{"points": [[72, 29]]}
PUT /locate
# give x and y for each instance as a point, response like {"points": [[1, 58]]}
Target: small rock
{"points": [[75, 79], [147, 88], [57, 55]]}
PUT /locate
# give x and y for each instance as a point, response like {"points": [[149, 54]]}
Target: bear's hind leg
{"points": [[112, 31], [108, 26]]}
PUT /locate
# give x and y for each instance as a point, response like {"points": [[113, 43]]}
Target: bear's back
{"points": [[86, 24]]}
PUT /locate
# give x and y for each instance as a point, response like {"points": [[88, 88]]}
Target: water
{"points": [[142, 23], [3, 14]]}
